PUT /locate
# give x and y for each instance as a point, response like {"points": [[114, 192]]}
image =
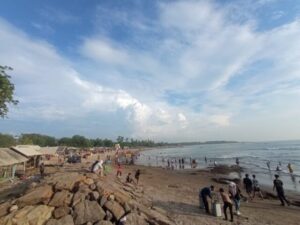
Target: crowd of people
{"points": [[233, 196]]}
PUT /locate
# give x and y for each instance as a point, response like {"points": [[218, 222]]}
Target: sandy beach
{"points": [[174, 193]]}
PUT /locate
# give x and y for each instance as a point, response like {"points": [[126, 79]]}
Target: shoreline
{"points": [[175, 193]]}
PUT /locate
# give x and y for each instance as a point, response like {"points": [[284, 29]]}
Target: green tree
{"points": [[38, 139], [6, 91], [80, 141], [7, 140]]}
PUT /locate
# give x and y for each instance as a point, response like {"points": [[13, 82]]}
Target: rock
{"points": [[126, 207], [67, 181], [4, 208], [115, 208], [121, 197], [41, 194], [103, 199], [88, 181], [61, 198], [89, 223], [105, 222], [33, 185], [29, 215], [109, 216], [92, 176], [94, 195], [88, 211], [78, 197], [111, 197], [66, 220], [13, 208], [81, 194], [135, 219], [61, 212], [154, 217], [93, 187]]}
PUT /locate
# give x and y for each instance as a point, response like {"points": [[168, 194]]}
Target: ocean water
{"points": [[252, 156]]}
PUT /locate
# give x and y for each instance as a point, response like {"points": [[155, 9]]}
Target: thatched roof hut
{"points": [[9, 157], [27, 150]]}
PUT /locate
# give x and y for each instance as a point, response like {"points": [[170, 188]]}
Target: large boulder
{"points": [[29, 215], [115, 208], [66, 220], [136, 219], [67, 181], [61, 212], [61, 198], [81, 194], [88, 211], [88, 181], [39, 195], [4, 208]]}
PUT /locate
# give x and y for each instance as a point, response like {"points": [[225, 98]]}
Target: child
{"points": [[227, 204], [119, 170]]}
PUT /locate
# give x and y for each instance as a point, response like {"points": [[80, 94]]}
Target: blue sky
{"points": [[164, 70]]}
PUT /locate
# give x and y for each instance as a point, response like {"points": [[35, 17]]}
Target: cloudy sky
{"points": [[164, 70]]}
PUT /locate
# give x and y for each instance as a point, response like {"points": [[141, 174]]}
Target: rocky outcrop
{"points": [[73, 199]]}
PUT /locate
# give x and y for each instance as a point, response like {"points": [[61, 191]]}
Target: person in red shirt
{"points": [[119, 170]]}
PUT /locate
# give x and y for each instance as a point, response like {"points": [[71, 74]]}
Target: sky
{"points": [[162, 70]]}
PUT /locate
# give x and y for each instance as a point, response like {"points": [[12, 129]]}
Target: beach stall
{"points": [[9, 162], [31, 152]]}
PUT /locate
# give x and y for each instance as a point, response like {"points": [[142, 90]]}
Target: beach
{"points": [[171, 196]]}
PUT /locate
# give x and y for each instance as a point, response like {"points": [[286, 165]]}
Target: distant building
{"points": [[9, 162], [31, 152]]}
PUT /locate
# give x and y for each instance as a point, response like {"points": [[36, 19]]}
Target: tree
{"points": [[6, 91], [7, 140]]}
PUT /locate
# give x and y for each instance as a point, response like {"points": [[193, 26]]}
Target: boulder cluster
{"points": [[73, 198]]}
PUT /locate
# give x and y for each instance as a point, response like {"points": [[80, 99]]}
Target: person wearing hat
{"points": [[278, 185]]}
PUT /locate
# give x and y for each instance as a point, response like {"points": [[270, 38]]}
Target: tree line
{"points": [[7, 140]]}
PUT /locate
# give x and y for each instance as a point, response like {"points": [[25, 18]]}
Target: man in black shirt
{"points": [[279, 189], [248, 185], [204, 194]]}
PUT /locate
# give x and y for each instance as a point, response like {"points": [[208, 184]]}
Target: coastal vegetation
{"points": [[7, 89]]}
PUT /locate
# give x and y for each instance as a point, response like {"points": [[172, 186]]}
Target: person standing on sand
{"points": [[204, 194], [137, 176], [248, 185], [235, 194], [289, 166], [227, 204], [256, 187], [119, 170], [42, 170], [278, 185], [205, 160]]}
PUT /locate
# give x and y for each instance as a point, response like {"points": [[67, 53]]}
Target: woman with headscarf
{"points": [[234, 192]]}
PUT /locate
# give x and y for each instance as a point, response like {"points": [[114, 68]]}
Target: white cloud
{"points": [[228, 72], [101, 50]]}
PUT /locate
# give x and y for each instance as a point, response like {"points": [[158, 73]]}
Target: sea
{"points": [[253, 157]]}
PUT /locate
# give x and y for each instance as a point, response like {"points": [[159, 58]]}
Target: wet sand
{"points": [[177, 193]]}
